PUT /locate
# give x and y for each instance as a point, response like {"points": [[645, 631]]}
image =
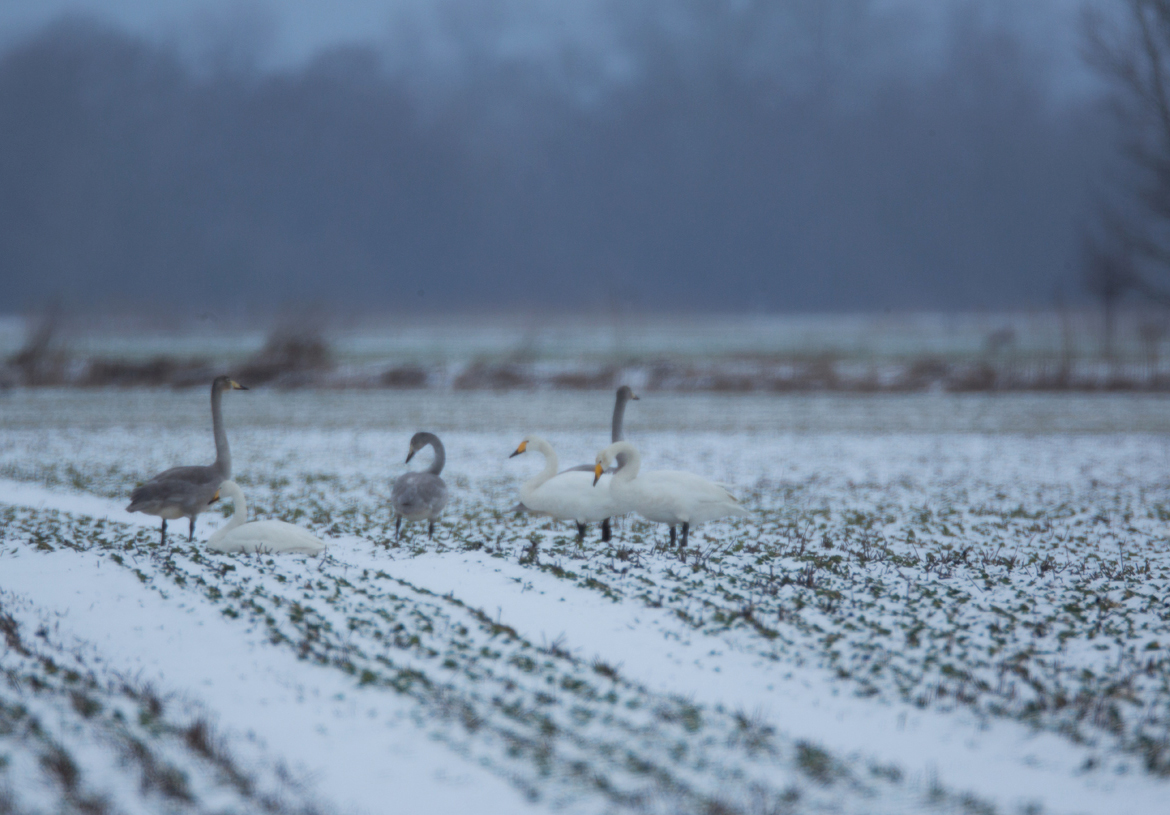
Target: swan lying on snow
{"points": [[663, 496], [568, 496], [259, 536]]}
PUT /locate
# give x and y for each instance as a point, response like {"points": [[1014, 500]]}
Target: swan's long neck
{"points": [[223, 455], [550, 466], [619, 415], [231, 489], [440, 454], [629, 462]]}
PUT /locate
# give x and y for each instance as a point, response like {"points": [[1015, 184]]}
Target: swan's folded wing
{"points": [[189, 487], [268, 537], [572, 495], [585, 468], [580, 468], [195, 474], [732, 506], [416, 493]]}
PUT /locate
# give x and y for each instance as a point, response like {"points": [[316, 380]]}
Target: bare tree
{"points": [[1131, 50]]}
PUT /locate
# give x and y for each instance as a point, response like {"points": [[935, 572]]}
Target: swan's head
{"points": [[603, 462], [625, 394], [230, 490], [523, 448], [417, 442], [626, 456], [226, 383]]}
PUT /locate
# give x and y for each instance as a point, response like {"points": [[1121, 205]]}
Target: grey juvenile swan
{"points": [[184, 492], [421, 496]]}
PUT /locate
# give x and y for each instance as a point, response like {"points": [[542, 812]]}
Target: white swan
{"points": [[568, 496], [624, 395], [663, 496], [259, 536]]}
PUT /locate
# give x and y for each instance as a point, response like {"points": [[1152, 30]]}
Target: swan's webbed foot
{"points": [[606, 534]]}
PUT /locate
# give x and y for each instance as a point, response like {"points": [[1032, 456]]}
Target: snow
{"points": [[1097, 488], [1006, 762], [359, 754]]}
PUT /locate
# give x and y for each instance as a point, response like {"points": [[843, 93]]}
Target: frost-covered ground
{"points": [[942, 604]]}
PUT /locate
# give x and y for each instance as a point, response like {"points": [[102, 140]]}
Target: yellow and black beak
{"points": [[635, 398], [236, 386], [410, 455], [521, 449], [214, 498], [596, 474]]}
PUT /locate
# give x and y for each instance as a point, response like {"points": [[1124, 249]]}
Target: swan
{"points": [[421, 496], [567, 496], [259, 536], [664, 496], [184, 492], [624, 395]]}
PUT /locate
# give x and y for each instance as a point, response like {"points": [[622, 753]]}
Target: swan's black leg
{"points": [[163, 539], [673, 536], [398, 527], [686, 529], [580, 531], [191, 534], [605, 531], [431, 530]]}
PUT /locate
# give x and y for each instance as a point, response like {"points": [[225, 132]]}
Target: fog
{"points": [[810, 155]]}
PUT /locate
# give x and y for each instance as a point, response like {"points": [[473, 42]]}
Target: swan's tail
{"points": [[736, 507]]}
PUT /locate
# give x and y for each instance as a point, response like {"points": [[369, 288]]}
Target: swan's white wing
{"points": [[572, 496], [672, 496]]}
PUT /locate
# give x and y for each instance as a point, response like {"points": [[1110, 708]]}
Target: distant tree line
{"points": [[736, 156]]}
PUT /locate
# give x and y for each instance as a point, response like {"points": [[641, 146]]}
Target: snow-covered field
{"points": [[942, 604]]}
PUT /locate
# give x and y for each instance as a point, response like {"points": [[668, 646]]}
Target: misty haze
{"points": [[694, 156]]}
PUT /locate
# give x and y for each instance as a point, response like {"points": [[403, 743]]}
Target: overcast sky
{"points": [[289, 32], [791, 155]]}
